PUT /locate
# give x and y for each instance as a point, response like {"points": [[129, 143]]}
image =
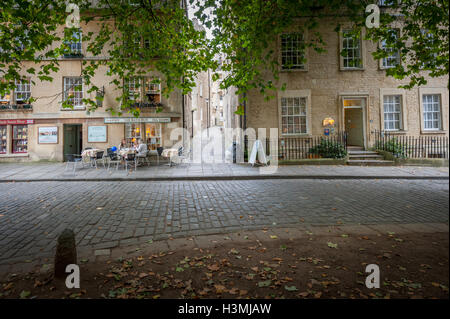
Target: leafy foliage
{"points": [[393, 146], [329, 149]]}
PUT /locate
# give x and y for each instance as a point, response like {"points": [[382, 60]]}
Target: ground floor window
{"points": [[293, 115], [3, 139], [153, 135], [20, 139], [132, 132], [432, 111], [149, 133], [392, 112]]}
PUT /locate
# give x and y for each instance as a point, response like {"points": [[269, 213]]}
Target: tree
{"points": [[245, 32], [140, 36], [137, 37]]}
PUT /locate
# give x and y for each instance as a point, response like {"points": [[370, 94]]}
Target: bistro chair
{"points": [[113, 158], [74, 160], [98, 158], [130, 161]]}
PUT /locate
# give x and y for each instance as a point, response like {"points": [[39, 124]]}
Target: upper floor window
{"points": [[152, 90], [144, 89], [73, 91], [393, 58], [432, 111], [392, 112], [293, 115], [351, 50], [74, 44], [22, 93], [292, 51]]}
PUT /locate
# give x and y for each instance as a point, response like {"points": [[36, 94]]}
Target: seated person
{"points": [[141, 148], [123, 144]]}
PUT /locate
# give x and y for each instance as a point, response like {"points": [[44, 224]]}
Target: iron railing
{"points": [[404, 146], [293, 148]]}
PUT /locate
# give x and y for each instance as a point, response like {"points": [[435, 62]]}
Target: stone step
{"points": [[370, 163], [362, 153], [365, 157]]}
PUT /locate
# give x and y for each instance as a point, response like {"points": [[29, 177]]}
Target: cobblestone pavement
{"points": [[56, 171], [110, 214]]}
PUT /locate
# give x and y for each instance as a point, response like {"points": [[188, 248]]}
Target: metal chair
{"points": [[98, 158], [73, 159], [113, 158]]}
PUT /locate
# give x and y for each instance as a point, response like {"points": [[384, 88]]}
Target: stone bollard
{"points": [[66, 253]]}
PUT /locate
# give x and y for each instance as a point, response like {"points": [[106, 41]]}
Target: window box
{"points": [[73, 56]]}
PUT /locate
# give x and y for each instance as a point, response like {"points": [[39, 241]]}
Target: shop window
{"points": [[3, 141], [132, 132], [20, 139], [153, 135]]}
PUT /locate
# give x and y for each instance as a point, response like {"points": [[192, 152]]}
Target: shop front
{"points": [[153, 131], [14, 137]]}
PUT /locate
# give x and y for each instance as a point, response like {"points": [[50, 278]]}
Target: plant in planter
{"points": [[393, 146], [328, 149]]}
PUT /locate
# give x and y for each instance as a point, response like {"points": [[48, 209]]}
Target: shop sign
{"points": [[137, 120], [48, 135], [97, 134], [16, 122]]}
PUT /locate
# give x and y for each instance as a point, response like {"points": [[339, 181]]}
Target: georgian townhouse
{"points": [[352, 93], [44, 130]]}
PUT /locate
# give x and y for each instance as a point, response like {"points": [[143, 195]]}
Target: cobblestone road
{"points": [[108, 214]]}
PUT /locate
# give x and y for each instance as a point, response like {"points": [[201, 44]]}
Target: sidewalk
{"points": [[23, 172]]}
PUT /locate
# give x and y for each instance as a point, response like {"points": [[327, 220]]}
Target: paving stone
{"points": [[237, 205], [102, 252]]}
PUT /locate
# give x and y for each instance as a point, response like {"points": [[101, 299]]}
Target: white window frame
{"points": [[66, 90], [444, 106], [435, 101], [390, 103], [404, 109], [361, 48], [24, 88], [394, 54], [135, 93], [285, 52], [153, 88], [301, 94], [76, 47]]}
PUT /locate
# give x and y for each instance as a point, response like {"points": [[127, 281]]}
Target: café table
{"points": [[89, 154], [169, 153]]}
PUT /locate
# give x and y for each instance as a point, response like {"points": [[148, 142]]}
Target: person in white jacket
{"points": [[141, 148]]}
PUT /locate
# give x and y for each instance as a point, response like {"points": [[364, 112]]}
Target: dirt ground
{"points": [[411, 266]]}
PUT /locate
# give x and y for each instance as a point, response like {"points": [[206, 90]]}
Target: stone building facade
{"points": [[354, 93], [44, 130]]}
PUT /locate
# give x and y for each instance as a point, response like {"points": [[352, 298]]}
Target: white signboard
{"points": [[137, 120], [97, 134], [258, 150], [48, 135]]}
